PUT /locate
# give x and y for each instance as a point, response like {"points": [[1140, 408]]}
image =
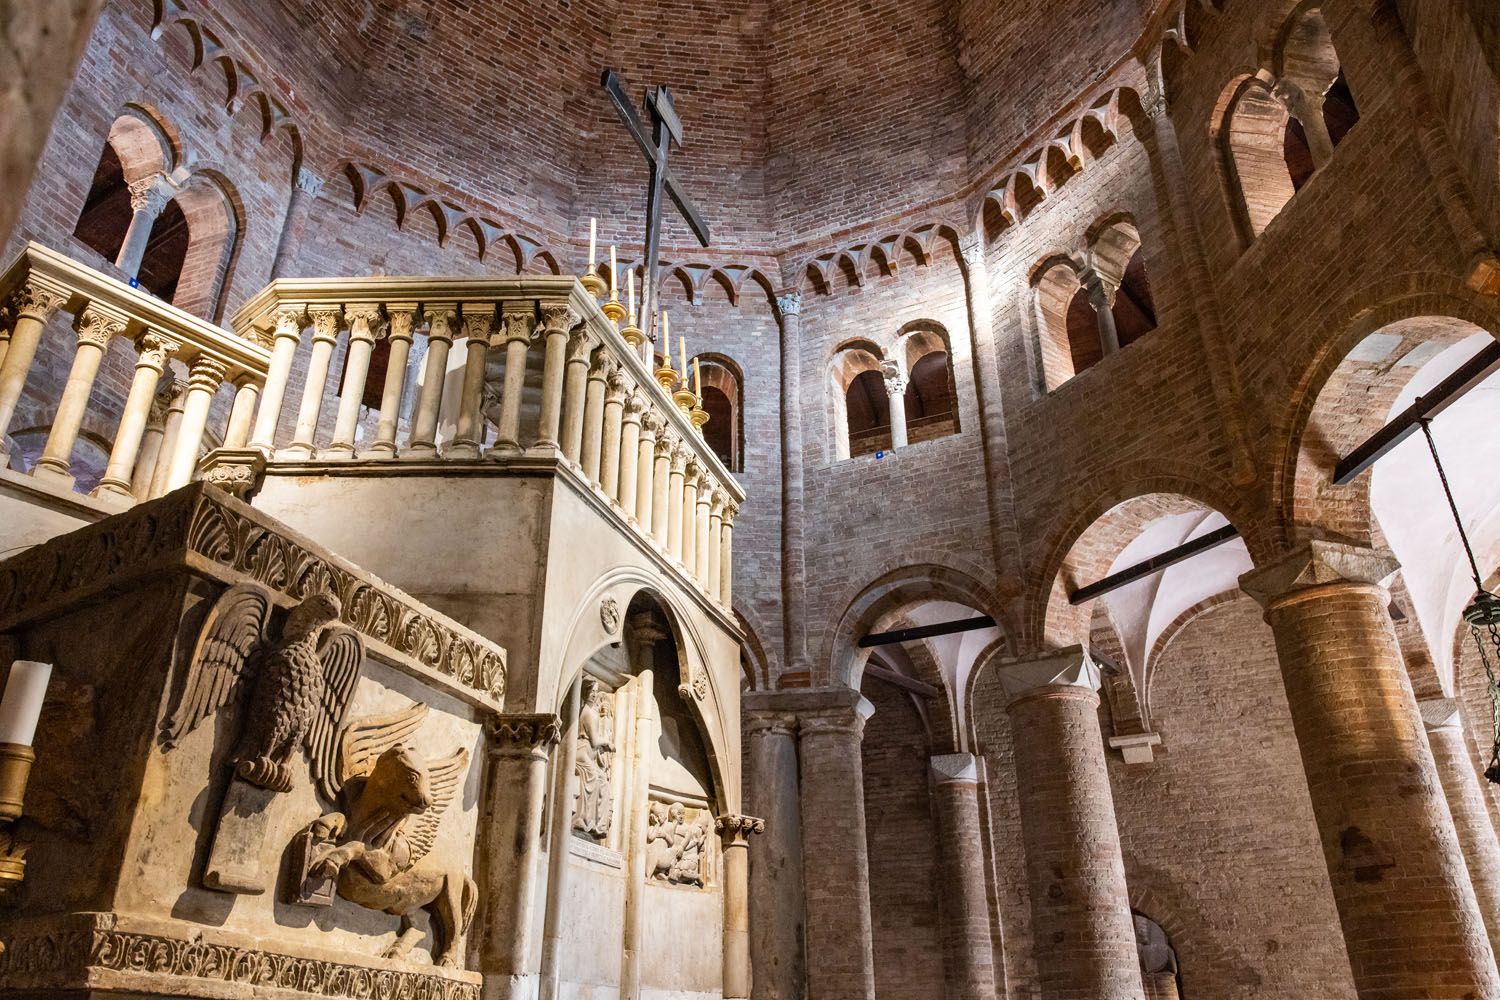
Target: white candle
{"points": [[666, 341], [614, 274], [593, 239], [630, 287], [21, 706]]}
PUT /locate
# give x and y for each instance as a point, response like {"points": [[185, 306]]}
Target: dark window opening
{"points": [[1083, 333], [1298, 154], [106, 211], [161, 265], [1134, 310], [719, 432], [1340, 113], [869, 414]]}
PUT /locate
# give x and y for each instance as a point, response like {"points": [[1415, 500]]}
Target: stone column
{"points": [[1465, 792], [166, 447], [675, 490], [968, 949], [558, 321], [691, 475], [96, 328], [776, 887], [148, 196], [835, 859], [203, 381], [326, 322], [152, 351], [403, 320], [645, 461], [283, 352], [468, 434], [600, 370], [1308, 110], [793, 567], [517, 329], [520, 746], [442, 320], [294, 224], [1410, 918], [609, 440], [364, 327], [630, 448], [32, 304], [575, 389], [896, 382], [726, 555], [564, 795], [733, 833], [246, 393], [1080, 909], [701, 520], [714, 580], [661, 485], [1102, 297]]}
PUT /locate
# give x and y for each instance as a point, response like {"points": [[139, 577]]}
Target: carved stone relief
{"points": [[593, 762], [609, 615], [677, 844]]}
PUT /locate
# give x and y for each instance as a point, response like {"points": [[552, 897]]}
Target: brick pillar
{"points": [[1464, 789], [1410, 918], [793, 567], [1081, 927], [835, 859], [968, 951], [776, 897]]}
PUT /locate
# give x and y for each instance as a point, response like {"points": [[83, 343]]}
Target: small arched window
{"points": [[134, 153], [724, 432], [869, 412], [1068, 325]]}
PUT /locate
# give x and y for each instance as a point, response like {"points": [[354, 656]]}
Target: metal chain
{"points": [[1493, 771]]}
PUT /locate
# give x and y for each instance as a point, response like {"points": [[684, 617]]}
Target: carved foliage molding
{"points": [[203, 524], [68, 955]]}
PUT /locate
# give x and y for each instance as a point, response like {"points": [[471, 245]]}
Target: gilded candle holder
{"points": [[634, 335], [698, 415], [15, 770], [592, 283], [685, 399], [667, 376], [613, 310]]}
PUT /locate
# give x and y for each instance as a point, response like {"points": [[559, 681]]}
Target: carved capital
{"points": [[442, 321], [635, 406], [167, 391], [652, 424], [730, 510], [1315, 565], [289, 320], [207, 374], [150, 195], [479, 321], [153, 350], [579, 346], [523, 735], [971, 248], [364, 321], [326, 321], [895, 376], [558, 318], [97, 326], [666, 447], [717, 499], [403, 320], [602, 366], [789, 303], [735, 828], [616, 386], [516, 327], [765, 724], [37, 299], [309, 182]]}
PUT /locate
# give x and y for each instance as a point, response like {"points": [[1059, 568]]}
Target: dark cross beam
{"points": [[1155, 564], [1443, 395], [925, 632], [666, 131]]}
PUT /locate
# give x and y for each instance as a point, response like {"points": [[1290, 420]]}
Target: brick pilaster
{"points": [[968, 949]]}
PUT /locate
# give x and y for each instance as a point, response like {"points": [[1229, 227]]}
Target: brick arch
{"points": [[872, 606], [753, 652], [216, 224], [1300, 473]]}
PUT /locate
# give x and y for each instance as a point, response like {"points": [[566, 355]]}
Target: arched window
{"points": [[929, 398], [1068, 326], [861, 406], [1282, 126], [1120, 265], [134, 153], [724, 432], [160, 270]]}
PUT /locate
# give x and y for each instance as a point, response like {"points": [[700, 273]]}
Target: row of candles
{"points": [[690, 401]]}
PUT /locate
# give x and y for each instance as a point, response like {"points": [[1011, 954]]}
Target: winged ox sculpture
{"points": [[375, 850], [301, 683]]}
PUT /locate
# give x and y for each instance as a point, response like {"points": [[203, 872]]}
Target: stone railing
{"points": [[544, 374], [160, 432]]}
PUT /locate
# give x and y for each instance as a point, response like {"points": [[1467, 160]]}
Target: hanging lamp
{"points": [[1482, 614]]}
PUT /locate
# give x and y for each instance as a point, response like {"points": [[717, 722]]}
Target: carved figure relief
{"points": [[593, 762], [300, 686], [609, 615], [375, 850], [676, 845]]}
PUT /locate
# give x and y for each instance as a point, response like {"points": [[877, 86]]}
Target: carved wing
{"points": [[366, 739], [342, 654], [234, 632], [445, 776]]}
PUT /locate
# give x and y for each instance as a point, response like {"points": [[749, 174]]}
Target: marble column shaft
{"points": [[96, 328], [403, 320], [152, 352], [442, 322], [283, 352], [33, 304]]}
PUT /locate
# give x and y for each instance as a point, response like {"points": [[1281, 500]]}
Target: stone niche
{"points": [[184, 635]]}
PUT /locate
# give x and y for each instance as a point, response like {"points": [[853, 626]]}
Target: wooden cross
{"points": [[666, 131]]}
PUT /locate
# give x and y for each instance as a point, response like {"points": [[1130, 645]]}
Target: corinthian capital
{"points": [[97, 326], [149, 195], [37, 299], [789, 303]]}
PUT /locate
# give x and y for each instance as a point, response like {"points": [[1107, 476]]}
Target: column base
{"points": [[55, 473], [421, 451], [338, 453], [295, 452], [112, 489], [502, 450], [461, 450], [380, 451]]}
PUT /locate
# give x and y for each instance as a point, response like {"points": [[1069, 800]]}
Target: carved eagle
{"points": [[302, 683]]}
